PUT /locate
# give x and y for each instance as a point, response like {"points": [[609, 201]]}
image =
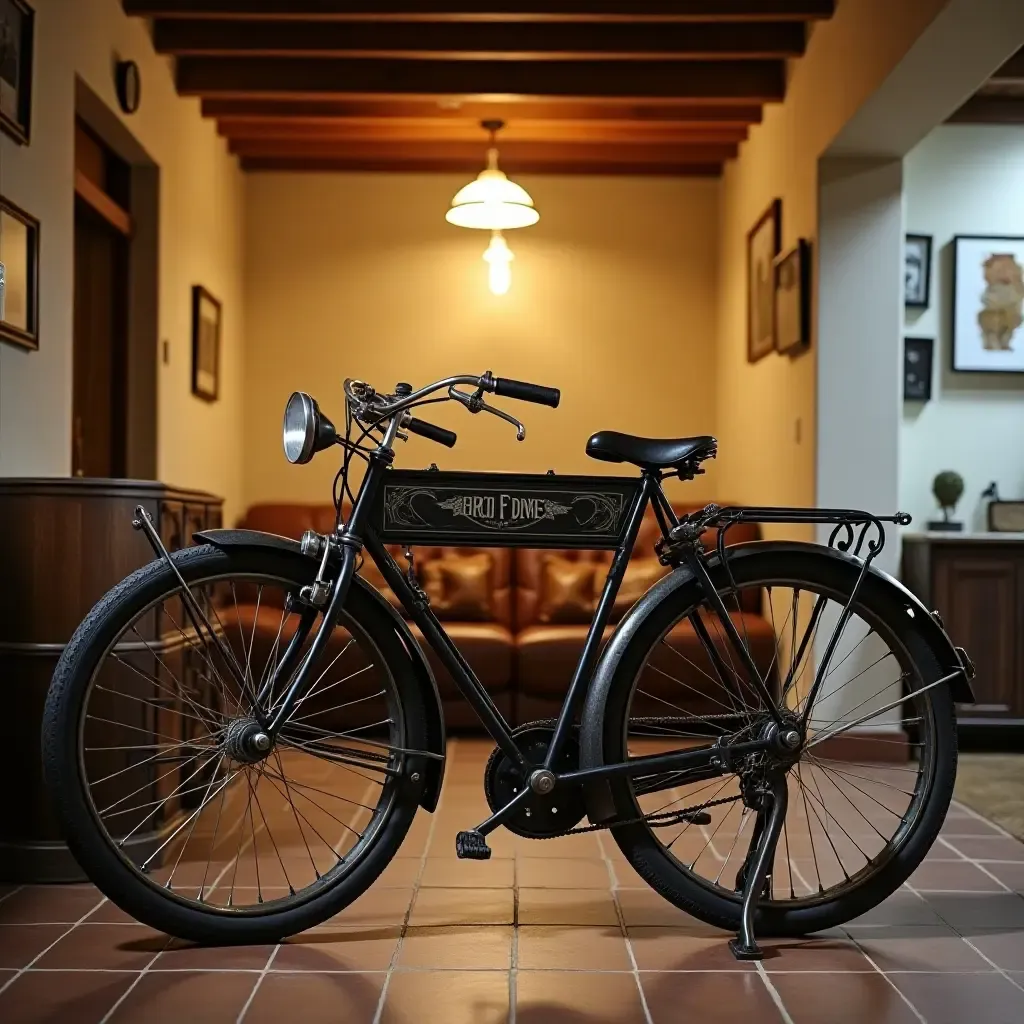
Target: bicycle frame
{"points": [[360, 534]]}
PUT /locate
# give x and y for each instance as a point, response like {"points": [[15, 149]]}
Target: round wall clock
{"points": [[128, 84]]}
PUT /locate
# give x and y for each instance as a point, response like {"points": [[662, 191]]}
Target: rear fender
{"points": [[433, 769], [952, 660]]}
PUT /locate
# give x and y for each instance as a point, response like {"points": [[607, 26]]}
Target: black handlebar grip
{"points": [[537, 393], [432, 432]]}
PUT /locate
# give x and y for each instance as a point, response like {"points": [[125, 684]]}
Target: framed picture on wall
{"points": [[793, 299], [917, 271], [763, 244], [19, 296], [988, 304], [17, 24], [206, 319], [918, 357]]}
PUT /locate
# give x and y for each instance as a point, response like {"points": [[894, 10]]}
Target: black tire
{"points": [[112, 871], [879, 605]]}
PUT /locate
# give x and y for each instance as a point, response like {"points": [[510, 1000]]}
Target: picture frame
{"points": [[918, 363], [764, 240], [19, 254], [988, 304], [17, 39], [917, 271], [206, 333], [1006, 516], [792, 314]]}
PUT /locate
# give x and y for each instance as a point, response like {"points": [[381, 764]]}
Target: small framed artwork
{"points": [[17, 24], [19, 296], [763, 244], [917, 271], [793, 299], [206, 318], [988, 304], [917, 369]]}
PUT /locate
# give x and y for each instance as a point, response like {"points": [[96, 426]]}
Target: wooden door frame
{"points": [[142, 332]]}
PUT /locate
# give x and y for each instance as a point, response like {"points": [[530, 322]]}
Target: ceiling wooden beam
{"points": [[515, 156], [559, 41], [503, 11], [443, 165], [990, 110], [743, 81], [451, 108], [442, 131]]}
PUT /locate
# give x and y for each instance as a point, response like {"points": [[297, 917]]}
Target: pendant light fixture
{"points": [[492, 202]]}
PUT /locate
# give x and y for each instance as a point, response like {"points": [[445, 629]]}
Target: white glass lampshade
{"points": [[492, 202]]}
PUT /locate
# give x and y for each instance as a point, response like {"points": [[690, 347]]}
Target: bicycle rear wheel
{"points": [[865, 805], [163, 797]]}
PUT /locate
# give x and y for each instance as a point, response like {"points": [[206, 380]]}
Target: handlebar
{"points": [[537, 393], [369, 406], [431, 431]]}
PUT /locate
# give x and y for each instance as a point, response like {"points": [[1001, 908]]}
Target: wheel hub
{"points": [[246, 741]]}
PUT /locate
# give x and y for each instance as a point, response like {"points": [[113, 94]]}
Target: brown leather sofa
{"points": [[520, 617]]}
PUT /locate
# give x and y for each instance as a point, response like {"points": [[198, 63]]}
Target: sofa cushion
{"points": [[529, 566], [566, 590], [679, 670], [461, 588], [292, 520], [487, 646]]}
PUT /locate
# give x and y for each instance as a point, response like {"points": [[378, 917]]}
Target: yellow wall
{"points": [[201, 234], [764, 408], [612, 300]]}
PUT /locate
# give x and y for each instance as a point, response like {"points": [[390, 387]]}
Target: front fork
{"points": [[349, 540]]}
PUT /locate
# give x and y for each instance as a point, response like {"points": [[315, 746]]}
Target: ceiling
{"points": [[1000, 100], [585, 86]]}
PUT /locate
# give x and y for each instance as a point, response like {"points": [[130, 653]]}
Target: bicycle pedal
{"points": [[471, 846]]}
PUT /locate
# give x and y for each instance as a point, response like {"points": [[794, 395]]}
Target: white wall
{"points": [[612, 300], [968, 180], [201, 242], [875, 79]]}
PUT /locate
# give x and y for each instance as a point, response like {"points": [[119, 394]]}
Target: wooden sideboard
{"points": [[976, 583], [63, 543]]}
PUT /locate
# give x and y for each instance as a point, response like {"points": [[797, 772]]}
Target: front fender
{"points": [[434, 769], [951, 659]]}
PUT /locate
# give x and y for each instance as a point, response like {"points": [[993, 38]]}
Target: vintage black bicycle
{"points": [[239, 735]]}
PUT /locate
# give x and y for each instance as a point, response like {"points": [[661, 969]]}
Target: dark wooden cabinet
{"points": [[976, 583], [63, 543]]}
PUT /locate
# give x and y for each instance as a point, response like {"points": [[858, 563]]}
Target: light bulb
{"points": [[499, 257]]}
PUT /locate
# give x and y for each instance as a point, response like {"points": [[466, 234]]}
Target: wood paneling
{"points": [[977, 586], [574, 79], [63, 544]]}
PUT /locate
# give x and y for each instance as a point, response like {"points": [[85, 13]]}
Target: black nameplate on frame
{"points": [[504, 509]]}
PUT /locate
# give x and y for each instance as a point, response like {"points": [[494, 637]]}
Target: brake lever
{"points": [[475, 403]]}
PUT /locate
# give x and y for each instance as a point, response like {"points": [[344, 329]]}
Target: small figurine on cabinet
{"points": [[948, 488]]}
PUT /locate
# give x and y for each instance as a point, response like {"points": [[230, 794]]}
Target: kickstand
{"points": [[744, 946]]}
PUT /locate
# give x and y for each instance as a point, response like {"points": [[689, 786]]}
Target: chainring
{"points": [[540, 817]]}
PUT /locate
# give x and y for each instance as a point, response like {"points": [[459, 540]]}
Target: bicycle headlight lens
{"points": [[300, 416]]}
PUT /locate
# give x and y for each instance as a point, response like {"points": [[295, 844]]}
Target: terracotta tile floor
{"points": [[561, 930]]}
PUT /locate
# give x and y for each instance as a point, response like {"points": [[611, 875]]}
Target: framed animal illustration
{"points": [[988, 304]]}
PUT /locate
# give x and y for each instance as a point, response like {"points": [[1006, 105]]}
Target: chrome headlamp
{"points": [[306, 429]]}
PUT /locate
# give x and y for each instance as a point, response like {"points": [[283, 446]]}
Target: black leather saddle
{"points": [[682, 453]]}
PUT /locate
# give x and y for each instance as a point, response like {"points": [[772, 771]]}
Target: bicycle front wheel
{"points": [[875, 774], [175, 815]]}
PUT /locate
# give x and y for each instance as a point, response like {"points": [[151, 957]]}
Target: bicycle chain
{"points": [[656, 820]]}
